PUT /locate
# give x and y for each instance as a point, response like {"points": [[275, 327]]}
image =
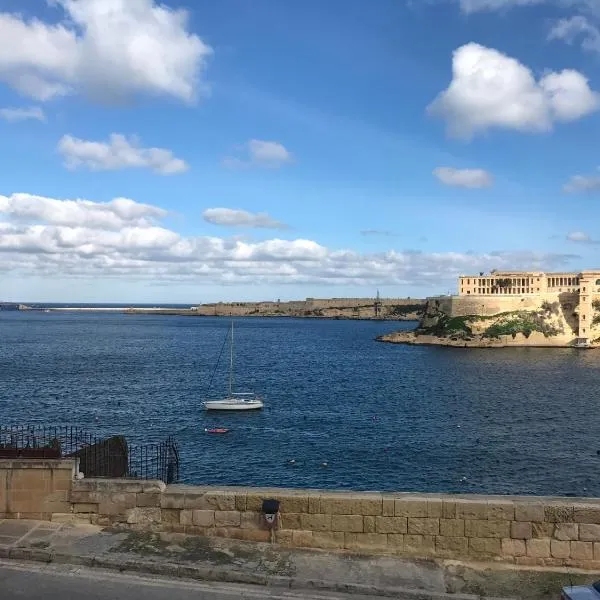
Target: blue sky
{"points": [[273, 149]]}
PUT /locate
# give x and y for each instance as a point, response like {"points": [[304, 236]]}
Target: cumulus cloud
{"points": [[473, 6], [464, 178], [123, 238], [259, 153], [241, 218], [578, 236], [582, 184], [492, 90], [107, 49], [118, 153], [22, 114]]}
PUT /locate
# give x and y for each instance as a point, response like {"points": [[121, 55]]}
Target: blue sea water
{"points": [[382, 416]]}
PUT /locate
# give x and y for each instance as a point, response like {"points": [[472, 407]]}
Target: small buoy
{"points": [[291, 461], [324, 464], [458, 426], [463, 479]]}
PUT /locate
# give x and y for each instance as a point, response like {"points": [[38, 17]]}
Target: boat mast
{"points": [[231, 364]]}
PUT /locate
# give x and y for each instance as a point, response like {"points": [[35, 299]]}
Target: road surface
{"points": [[36, 581]]}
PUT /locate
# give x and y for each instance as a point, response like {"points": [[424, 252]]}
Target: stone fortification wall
{"points": [[519, 530]]}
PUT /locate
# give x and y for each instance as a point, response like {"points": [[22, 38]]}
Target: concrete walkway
{"points": [[222, 560]]}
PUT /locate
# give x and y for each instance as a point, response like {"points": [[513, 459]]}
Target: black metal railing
{"points": [[98, 457]]}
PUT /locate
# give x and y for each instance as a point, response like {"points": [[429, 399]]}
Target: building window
{"points": [[468, 291], [583, 317]]}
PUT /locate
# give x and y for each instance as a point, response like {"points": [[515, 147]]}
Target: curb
{"points": [[216, 574]]}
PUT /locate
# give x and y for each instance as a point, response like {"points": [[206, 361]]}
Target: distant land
{"points": [[398, 309]]}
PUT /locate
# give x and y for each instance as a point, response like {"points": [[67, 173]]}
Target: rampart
{"points": [[518, 530]]}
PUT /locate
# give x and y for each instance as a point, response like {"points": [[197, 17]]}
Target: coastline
{"points": [[412, 338]]}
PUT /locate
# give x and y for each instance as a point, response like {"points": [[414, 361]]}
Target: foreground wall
{"points": [[510, 529]]}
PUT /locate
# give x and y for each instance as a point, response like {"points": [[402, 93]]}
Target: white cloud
{"points": [[578, 236], [492, 90], [577, 27], [260, 153], [582, 183], [53, 238], [114, 215], [474, 6], [378, 232], [22, 114], [465, 178], [118, 153], [108, 49], [240, 218]]}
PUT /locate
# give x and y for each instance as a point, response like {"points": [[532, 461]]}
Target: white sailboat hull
{"points": [[234, 404]]}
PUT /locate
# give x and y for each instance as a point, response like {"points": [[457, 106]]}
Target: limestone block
{"points": [[240, 502], [501, 511], [284, 537], [31, 479], [482, 529], [335, 504], [148, 499], [227, 518], [125, 500], [393, 525], [529, 511], [521, 530], [100, 520], [204, 518], [85, 508], [253, 520], [347, 523], [388, 506], [566, 531], [449, 509], [84, 497], [185, 517], [215, 500], [254, 535], [314, 504], [396, 542], [419, 526], [596, 550], [302, 539], [542, 530], [434, 509], [589, 532], [582, 550], [485, 546], [419, 545], [511, 547], [451, 546], [170, 500], [170, 516], [538, 548], [292, 520], [143, 516], [471, 509], [452, 527], [71, 519], [410, 507], [560, 549], [315, 522], [369, 524], [365, 541], [153, 485], [293, 504], [328, 540], [559, 513], [587, 514]]}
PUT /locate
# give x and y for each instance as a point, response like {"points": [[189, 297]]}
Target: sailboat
{"points": [[235, 400]]}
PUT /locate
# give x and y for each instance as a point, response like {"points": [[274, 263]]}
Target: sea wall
{"points": [[514, 530]]}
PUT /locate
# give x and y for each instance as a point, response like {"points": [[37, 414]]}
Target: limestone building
{"points": [[510, 290]]}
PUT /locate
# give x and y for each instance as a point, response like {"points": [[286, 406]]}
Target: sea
{"points": [[343, 411]]}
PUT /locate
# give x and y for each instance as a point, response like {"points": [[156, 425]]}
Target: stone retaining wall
{"points": [[35, 489], [533, 531]]}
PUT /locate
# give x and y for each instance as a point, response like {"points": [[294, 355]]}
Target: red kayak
{"points": [[217, 430]]}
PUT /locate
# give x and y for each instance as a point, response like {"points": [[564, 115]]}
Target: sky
{"points": [[189, 152]]}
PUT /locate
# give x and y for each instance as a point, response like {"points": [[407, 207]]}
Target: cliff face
{"points": [[551, 320]]}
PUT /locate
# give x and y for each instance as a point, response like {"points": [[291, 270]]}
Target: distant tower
{"points": [[377, 305]]}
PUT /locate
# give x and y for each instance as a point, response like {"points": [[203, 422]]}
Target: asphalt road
{"points": [[34, 581]]}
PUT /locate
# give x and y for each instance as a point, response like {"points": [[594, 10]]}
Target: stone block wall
{"points": [[35, 489], [521, 530]]}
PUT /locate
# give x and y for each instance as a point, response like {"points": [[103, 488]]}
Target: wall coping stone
{"points": [[38, 463]]}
